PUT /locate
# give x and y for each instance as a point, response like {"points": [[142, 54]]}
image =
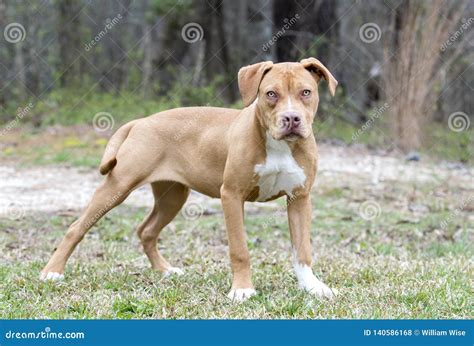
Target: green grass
{"points": [[381, 268]]}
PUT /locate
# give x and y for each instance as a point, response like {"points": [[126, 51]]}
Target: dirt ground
{"points": [[58, 188]]}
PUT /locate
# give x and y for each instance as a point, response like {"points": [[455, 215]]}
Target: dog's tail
{"points": [[109, 159]]}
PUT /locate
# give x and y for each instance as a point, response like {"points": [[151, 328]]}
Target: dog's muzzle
{"points": [[289, 124]]}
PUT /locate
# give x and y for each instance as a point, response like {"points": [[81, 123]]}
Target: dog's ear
{"points": [[319, 70], [250, 78]]}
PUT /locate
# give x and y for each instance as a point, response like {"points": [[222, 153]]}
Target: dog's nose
{"points": [[290, 120]]}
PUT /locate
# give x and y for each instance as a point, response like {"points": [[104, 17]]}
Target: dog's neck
{"points": [[259, 126]]}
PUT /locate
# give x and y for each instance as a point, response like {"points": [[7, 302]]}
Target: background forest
{"points": [[393, 202], [406, 64]]}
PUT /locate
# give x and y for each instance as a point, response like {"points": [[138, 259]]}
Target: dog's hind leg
{"points": [[169, 198], [111, 193]]}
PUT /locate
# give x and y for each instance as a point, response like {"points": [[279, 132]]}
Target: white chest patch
{"points": [[280, 172]]}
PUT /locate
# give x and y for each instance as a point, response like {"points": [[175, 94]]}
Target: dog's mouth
{"points": [[290, 133], [293, 133], [289, 136], [293, 136]]}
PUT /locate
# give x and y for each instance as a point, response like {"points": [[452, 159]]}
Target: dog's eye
{"points": [[271, 94], [306, 92]]}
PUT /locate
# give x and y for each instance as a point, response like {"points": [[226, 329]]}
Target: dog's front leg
{"points": [[299, 217], [233, 206]]}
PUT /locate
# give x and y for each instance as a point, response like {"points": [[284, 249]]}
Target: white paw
{"points": [[51, 276], [241, 294], [173, 271], [317, 288], [310, 283]]}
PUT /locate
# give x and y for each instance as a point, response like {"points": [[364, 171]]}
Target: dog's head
{"points": [[286, 95]]}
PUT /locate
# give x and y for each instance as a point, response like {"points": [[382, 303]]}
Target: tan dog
{"points": [[260, 153]]}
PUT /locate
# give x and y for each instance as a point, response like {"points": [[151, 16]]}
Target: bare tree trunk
{"points": [[199, 63], [419, 29], [20, 70], [147, 61], [34, 69], [121, 40], [69, 41], [3, 95]]}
